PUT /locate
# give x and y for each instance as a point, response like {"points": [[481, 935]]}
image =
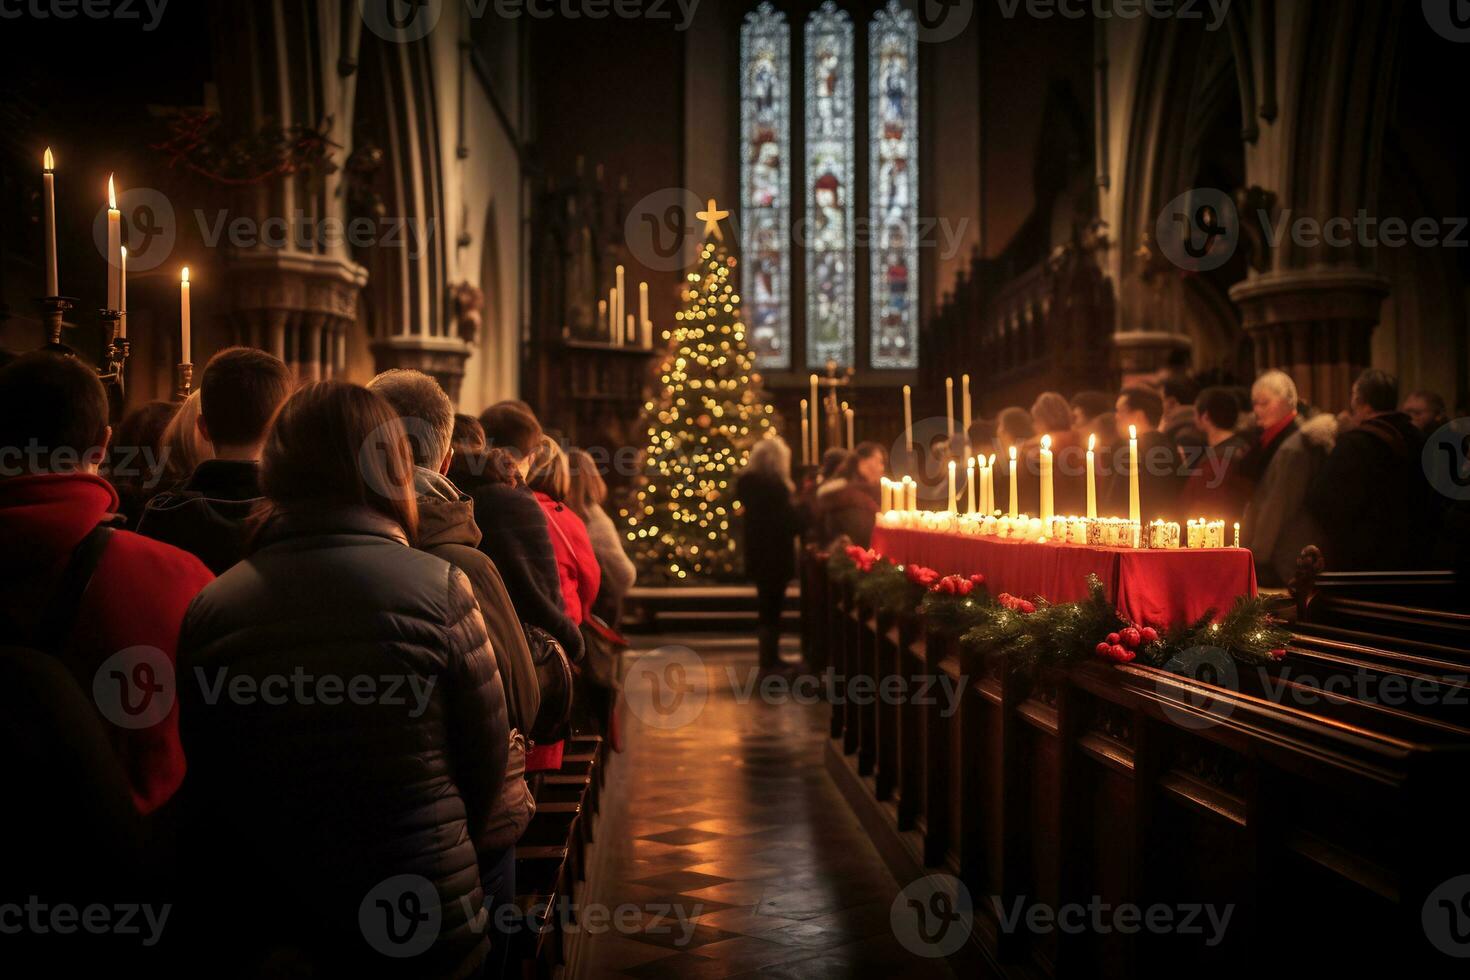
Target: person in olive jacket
{"points": [[343, 716]]}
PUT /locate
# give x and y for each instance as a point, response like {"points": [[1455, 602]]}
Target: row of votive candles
{"points": [[1107, 532]]}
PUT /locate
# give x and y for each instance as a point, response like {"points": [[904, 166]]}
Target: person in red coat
{"points": [[576, 562], [121, 643]]}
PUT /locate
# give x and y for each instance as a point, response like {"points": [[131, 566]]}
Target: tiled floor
{"points": [[722, 827]]}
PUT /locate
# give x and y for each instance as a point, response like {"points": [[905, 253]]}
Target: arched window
{"points": [[830, 287], [765, 183], [893, 187]]}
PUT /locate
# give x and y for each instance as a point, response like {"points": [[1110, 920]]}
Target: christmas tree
{"points": [[701, 428]]}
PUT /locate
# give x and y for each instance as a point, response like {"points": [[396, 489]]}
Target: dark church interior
{"points": [[734, 488]]}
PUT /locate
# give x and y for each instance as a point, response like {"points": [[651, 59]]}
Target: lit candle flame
{"points": [[185, 279], [111, 195], [1046, 443], [992, 459], [48, 162], [1133, 432], [1091, 442], [1013, 454]]}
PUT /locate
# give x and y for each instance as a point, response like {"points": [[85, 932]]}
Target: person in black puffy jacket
{"points": [[342, 716]]}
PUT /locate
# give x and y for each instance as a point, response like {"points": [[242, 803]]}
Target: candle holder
{"points": [[113, 371], [183, 381], [53, 315]]}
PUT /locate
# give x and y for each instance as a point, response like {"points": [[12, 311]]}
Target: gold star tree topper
{"points": [[712, 217]]}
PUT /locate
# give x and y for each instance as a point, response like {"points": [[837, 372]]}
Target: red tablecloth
{"points": [[1155, 588]]}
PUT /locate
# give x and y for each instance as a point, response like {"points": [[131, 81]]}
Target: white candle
{"points": [[806, 434], [184, 317], [632, 334], [1133, 504], [965, 402], [953, 504], [1046, 487], [948, 407], [612, 316], [603, 317], [48, 215], [642, 303], [622, 301], [1014, 510], [122, 321], [990, 486], [908, 419], [913, 494], [114, 246], [816, 423], [970, 485], [1237, 534], [883, 507], [1091, 478], [850, 419]]}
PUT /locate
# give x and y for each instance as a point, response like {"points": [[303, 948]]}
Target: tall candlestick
{"points": [[806, 434], [48, 215], [612, 316], [114, 246], [965, 402], [1091, 478], [948, 407], [1237, 534], [1046, 487], [1015, 511], [970, 485], [908, 419], [1133, 504], [122, 299], [632, 335], [184, 318], [953, 499], [851, 445], [913, 492], [984, 486]]}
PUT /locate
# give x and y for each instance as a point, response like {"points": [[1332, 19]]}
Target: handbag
{"points": [[556, 678], [604, 648]]}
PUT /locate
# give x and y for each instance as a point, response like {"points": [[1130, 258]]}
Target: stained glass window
{"points": [[765, 183], [829, 182], [893, 193]]}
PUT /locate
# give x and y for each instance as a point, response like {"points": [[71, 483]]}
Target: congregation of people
{"points": [[352, 627]]}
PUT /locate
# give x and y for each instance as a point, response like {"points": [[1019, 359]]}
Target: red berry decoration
{"points": [[1104, 650], [1130, 636], [1278, 654], [1027, 606], [1149, 634], [1114, 639], [1127, 657]]}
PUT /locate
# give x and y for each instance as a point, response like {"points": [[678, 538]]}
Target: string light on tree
{"points": [[709, 414]]}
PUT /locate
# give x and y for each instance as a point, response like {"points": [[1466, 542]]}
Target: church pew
{"points": [[1114, 782]]}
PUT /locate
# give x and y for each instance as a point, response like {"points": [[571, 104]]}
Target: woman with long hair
{"points": [[183, 448], [342, 713], [550, 478], [852, 510], [586, 496], [771, 524]]}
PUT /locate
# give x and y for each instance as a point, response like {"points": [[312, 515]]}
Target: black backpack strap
{"points": [[60, 614]]}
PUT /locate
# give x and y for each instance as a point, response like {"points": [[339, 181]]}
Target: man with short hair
{"points": [[1426, 410], [1213, 485], [1289, 453], [118, 628], [1179, 423], [1158, 463], [207, 515], [1375, 468], [447, 530]]}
